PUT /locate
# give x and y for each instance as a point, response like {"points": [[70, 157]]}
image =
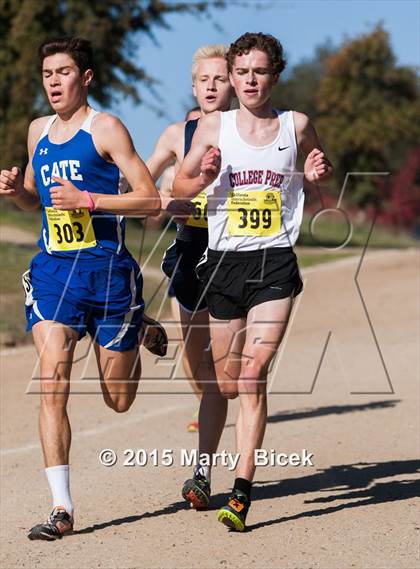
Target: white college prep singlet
{"points": [[257, 201]]}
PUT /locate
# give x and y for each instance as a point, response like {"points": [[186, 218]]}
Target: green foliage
{"points": [[298, 86], [366, 109], [114, 27]]}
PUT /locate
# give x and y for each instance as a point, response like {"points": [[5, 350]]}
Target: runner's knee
{"points": [[228, 389], [254, 368], [253, 387], [119, 403], [54, 390]]}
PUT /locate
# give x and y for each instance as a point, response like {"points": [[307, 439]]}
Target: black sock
{"points": [[244, 486]]}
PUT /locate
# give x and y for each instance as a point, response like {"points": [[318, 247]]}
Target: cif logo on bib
{"points": [[269, 198]]}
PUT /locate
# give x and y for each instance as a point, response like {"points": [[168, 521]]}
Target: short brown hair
{"points": [[79, 49], [263, 42]]}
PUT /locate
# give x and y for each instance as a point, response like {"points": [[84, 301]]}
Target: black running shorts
{"points": [[235, 281]]}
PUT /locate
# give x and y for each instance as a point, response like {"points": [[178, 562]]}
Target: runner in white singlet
{"points": [[247, 160]]}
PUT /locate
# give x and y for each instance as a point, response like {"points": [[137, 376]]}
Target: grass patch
{"points": [[331, 229], [14, 260], [28, 220], [308, 258], [147, 244]]}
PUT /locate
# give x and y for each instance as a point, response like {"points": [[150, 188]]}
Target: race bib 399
{"points": [[254, 212]]}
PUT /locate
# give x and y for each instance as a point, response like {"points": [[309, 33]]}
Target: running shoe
{"points": [[233, 515], [192, 426], [154, 337], [59, 523], [196, 491]]}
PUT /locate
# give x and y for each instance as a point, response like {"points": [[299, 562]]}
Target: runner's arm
{"points": [[144, 198], [114, 144], [318, 169], [201, 166], [164, 153]]}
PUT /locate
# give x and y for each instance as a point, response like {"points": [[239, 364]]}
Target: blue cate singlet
{"points": [[77, 233], [84, 277]]}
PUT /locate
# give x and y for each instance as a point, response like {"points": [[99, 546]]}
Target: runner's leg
{"points": [[119, 375], [227, 340], [266, 325], [213, 407], [55, 345], [176, 314]]}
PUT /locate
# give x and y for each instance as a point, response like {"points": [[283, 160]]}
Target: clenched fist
{"points": [[317, 166], [210, 166], [11, 183]]}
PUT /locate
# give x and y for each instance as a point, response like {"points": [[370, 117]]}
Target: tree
{"points": [[367, 107], [298, 86], [113, 26]]}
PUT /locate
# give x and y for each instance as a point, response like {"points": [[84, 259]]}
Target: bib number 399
{"points": [[255, 218], [70, 230], [254, 213]]}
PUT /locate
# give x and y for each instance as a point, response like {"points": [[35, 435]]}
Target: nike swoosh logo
{"points": [[284, 147]]}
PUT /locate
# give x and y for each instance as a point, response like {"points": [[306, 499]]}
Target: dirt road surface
{"points": [[343, 387]]}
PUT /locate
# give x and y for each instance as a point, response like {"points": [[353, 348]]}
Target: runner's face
{"points": [[211, 85], [65, 87], [252, 79]]}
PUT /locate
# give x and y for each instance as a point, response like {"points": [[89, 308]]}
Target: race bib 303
{"points": [[70, 230]]}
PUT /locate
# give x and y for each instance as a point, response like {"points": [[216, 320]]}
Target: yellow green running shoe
{"points": [[233, 515]]}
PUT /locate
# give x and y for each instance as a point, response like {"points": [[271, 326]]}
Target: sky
{"points": [[300, 25]]}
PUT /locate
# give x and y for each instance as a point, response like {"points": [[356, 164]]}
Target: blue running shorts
{"points": [[102, 297]]}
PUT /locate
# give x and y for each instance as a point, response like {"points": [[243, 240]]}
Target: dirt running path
{"points": [[332, 393]]}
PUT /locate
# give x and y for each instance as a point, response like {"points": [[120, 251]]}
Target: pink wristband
{"points": [[91, 203]]}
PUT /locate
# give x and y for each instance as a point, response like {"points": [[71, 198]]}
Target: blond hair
{"points": [[207, 52]]}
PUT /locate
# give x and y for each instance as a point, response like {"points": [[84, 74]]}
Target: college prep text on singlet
{"points": [[257, 201], [77, 233]]}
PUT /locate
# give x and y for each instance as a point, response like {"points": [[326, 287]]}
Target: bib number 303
{"points": [[70, 230], [254, 213]]}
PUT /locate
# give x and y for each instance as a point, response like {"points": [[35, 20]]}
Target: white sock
{"points": [[58, 479], [204, 470]]}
